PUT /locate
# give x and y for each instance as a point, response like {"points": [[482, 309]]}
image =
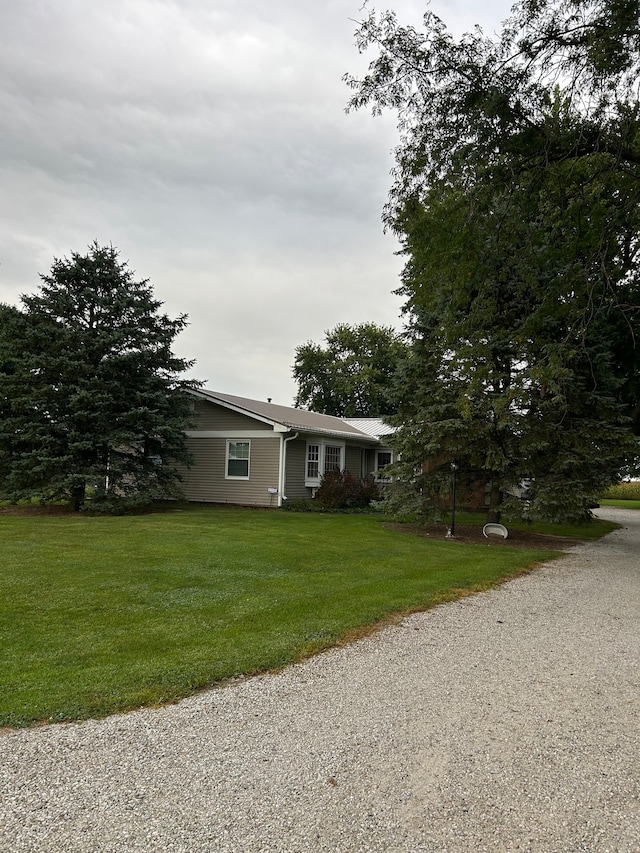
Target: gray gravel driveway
{"points": [[507, 721]]}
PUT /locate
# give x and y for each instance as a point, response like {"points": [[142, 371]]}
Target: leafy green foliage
{"points": [[90, 392], [341, 490], [349, 376], [517, 202]]}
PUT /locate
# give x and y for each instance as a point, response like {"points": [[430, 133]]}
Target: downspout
{"points": [[283, 466]]}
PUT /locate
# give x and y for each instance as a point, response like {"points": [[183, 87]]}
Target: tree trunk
{"points": [[78, 494], [495, 501]]}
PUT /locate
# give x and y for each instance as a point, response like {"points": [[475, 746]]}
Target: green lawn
{"points": [[622, 504], [597, 528], [101, 614]]}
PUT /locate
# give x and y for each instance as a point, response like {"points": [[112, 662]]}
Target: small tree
{"points": [[91, 391]]}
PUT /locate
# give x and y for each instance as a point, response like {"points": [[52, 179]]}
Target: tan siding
{"points": [[210, 416], [296, 460], [205, 480], [353, 460], [370, 462]]}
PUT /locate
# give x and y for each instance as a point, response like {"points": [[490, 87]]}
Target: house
{"points": [[379, 457], [256, 453]]}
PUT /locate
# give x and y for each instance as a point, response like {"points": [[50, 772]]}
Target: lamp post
{"points": [[454, 468]]}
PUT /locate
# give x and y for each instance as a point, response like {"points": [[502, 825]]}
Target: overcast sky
{"points": [[207, 141]]}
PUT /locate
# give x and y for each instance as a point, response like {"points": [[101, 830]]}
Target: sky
{"points": [[207, 140]]}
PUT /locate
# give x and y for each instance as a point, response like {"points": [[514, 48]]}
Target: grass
{"points": [[622, 504], [103, 614], [624, 495], [594, 530]]}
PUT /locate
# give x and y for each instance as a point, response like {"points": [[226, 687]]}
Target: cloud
{"points": [[209, 143]]}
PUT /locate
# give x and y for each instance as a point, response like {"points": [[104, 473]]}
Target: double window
{"points": [[322, 457], [238, 458]]}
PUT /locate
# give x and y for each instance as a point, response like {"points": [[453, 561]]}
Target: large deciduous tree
{"points": [[91, 394], [350, 375], [516, 198]]}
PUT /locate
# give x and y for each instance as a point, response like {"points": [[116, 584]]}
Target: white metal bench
{"points": [[495, 529]]}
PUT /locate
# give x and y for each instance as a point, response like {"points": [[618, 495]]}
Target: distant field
{"points": [[622, 492], [99, 615]]}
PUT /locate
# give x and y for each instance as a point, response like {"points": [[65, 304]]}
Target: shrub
{"points": [[341, 490], [300, 505]]}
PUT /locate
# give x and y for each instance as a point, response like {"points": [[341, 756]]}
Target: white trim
{"points": [[228, 476], [224, 433], [322, 443], [277, 427], [282, 469], [312, 481], [384, 478], [289, 425]]}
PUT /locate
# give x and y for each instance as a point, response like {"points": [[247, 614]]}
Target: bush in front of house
{"points": [[341, 490]]}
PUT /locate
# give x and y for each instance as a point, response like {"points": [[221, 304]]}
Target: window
{"points": [[238, 453], [332, 458], [313, 461], [321, 458], [383, 458]]}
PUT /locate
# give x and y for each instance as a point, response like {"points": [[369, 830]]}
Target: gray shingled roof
{"points": [[294, 419]]}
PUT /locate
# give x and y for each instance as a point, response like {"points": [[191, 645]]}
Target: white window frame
{"points": [[315, 461], [321, 444], [384, 478], [227, 459]]}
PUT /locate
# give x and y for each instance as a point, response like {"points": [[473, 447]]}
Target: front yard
{"points": [[99, 615]]}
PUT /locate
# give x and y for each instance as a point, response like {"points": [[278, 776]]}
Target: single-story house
{"points": [[256, 453], [383, 455]]}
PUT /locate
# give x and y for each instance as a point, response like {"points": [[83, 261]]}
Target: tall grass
{"points": [[623, 492]]}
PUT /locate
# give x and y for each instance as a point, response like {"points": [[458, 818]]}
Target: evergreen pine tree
{"points": [[91, 393]]}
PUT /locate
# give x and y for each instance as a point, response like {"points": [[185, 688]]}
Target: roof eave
{"points": [[283, 426], [278, 427]]}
